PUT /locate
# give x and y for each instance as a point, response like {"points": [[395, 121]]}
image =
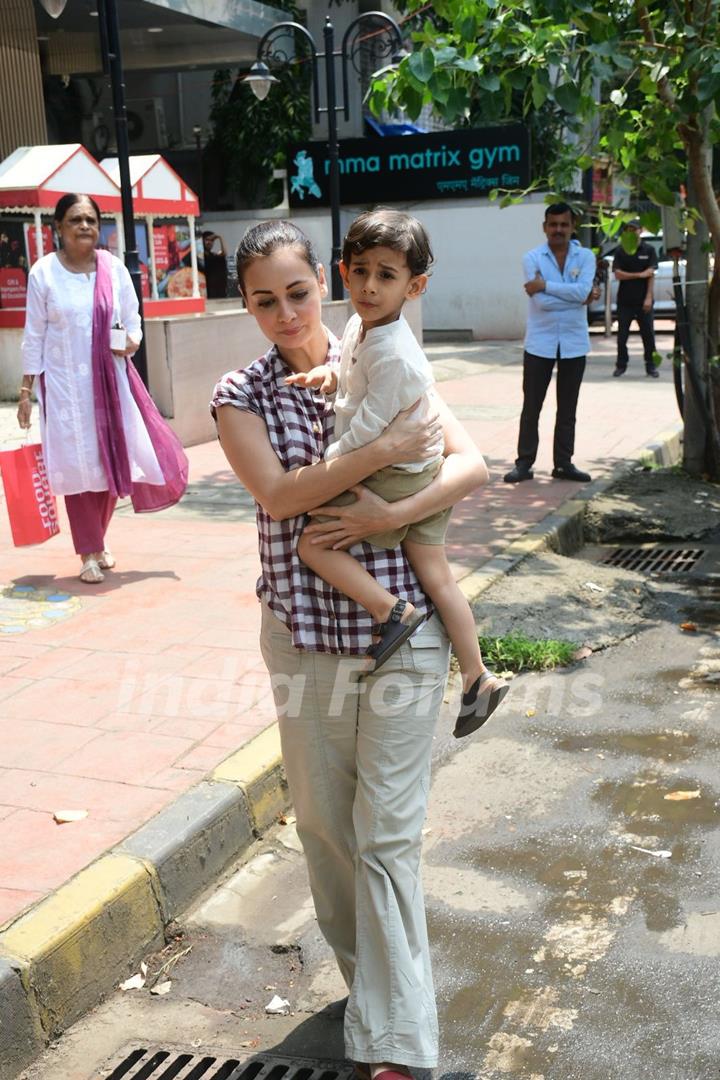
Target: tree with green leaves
{"points": [[638, 82], [250, 137]]}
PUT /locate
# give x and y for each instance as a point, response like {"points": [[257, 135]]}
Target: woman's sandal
{"points": [[106, 560], [473, 711], [91, 573], [392, 634]]}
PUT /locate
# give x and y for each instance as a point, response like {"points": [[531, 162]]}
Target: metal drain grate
{"points": [[167, 1064], [654, 560]]}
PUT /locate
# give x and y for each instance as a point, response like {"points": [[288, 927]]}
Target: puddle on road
{"points": [[663, 745], [703, 604], [642, 804]]}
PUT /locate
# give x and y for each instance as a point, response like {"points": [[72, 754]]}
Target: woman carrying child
{"points": [[357, 753], [383, 370]]}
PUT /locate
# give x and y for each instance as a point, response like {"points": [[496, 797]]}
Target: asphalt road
{"points": [[573, 906]]}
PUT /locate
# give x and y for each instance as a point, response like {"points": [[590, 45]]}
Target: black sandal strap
{"points": [[395, 616]]}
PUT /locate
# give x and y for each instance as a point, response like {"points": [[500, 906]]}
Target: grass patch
{"points": [[517, 652]]}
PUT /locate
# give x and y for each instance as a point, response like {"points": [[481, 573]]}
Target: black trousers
{"points": [[644, 319], [537, 371]]}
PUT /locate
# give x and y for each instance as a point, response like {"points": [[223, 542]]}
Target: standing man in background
{"points": [[636, 274], [215, 268], [558, 281]]}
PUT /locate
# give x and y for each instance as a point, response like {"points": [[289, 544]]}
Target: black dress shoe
{"points": [[518, 474], [570, 472], [652, 373], [618, 372]]}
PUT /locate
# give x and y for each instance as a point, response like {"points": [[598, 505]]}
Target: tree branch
{"points": [[664, 88]]}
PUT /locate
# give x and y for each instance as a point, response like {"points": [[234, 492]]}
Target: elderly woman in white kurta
{"points": [[99, 429]]}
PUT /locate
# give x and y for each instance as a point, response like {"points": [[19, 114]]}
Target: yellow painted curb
{"points": [[526, 545], [570, 507], [76, 945], [257, 768], [475, 584]]}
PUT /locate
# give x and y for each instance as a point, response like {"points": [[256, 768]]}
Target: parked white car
{"points": [[663, 292]]}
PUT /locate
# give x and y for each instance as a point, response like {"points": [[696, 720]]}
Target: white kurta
{"points": [[58, 344], [378, 378]]}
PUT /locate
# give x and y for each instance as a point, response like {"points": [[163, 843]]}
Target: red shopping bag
{"points": [[31, 504]]}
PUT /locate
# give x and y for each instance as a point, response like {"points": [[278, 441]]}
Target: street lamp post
{"points": [[197, 134], [112, 66], [384, 39]]}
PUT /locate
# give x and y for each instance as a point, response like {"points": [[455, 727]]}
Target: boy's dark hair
{"points": [[66, 202], [262, 240], [558, 208], [392, 229]]}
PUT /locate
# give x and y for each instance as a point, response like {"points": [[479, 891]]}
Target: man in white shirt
{"points": [[558, 281]]}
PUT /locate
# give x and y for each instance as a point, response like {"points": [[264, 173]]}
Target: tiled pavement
{"points": [[115, 698]]}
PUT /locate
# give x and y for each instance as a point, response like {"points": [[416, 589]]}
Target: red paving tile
{"points": [[233, 735], [48, 793], [63, 701], [31, 744], [204, 758], [11, 664], [55, 661], [113, 756], [11, 685], [158, 677], [39, 855], [177, 780], [13, 901]]}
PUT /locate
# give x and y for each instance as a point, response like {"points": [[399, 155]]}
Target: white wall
{"points": [[476, 284], [477, 281]]}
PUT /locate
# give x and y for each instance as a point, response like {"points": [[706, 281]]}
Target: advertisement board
{"points": [[13, 265], [173, 262], [109, 240], [442, 165]]}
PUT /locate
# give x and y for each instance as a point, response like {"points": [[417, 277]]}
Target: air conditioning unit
{"points": [[146, 127]]}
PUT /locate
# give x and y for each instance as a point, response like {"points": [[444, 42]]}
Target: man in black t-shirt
{"points": [[215, 267], [636, 275]]}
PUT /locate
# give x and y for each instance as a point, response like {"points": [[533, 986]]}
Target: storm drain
{"points": [[652, 559], [164, 1064]]}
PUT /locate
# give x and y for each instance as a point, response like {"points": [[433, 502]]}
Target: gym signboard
{"points": [[402, 168]]}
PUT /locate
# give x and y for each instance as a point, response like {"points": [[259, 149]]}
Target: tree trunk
{"points": [[699, 438]]}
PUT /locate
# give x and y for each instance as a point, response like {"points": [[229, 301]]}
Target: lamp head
{"points": [[54, 8], [260, 80]]}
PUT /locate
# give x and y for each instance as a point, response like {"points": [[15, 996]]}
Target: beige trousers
{"points": [[357, 756]]}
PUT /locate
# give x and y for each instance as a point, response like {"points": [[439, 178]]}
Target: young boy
{"points": [[383, 370]]}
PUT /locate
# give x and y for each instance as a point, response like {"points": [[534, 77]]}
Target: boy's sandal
{"points": [[363, 1073], [392, 634], [106, 560], [91, 573], [476, 708]]}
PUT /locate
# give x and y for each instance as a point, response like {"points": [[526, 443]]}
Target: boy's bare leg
{"points": [[433, 570], [345, 573]]}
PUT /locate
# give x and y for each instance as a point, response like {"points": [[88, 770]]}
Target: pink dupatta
{"points": [[108, 416]]}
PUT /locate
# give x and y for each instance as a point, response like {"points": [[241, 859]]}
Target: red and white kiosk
{"points": [[160, 194], [33, 178]]}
